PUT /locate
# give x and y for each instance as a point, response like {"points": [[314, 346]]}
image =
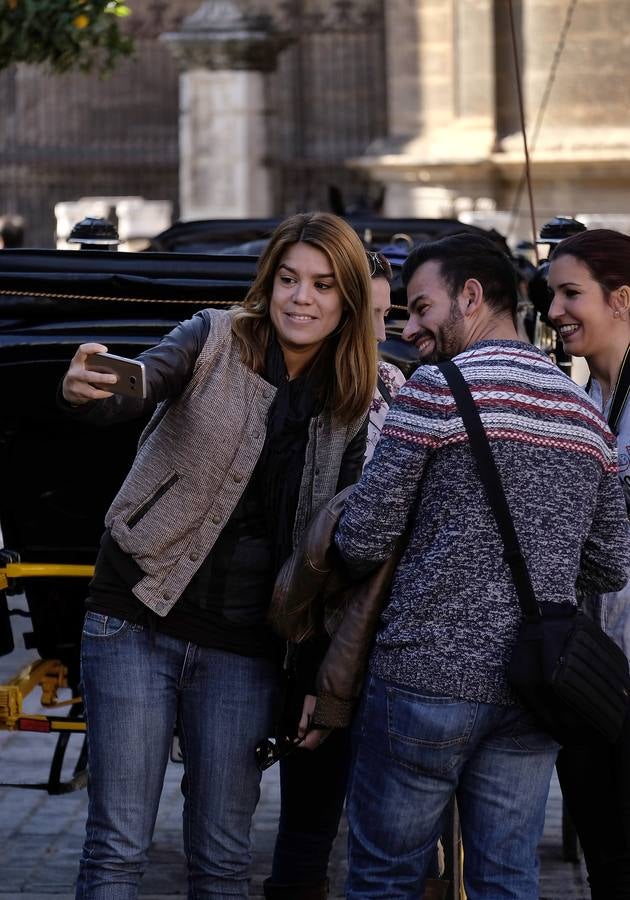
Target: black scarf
{"points": [[281, 463]]}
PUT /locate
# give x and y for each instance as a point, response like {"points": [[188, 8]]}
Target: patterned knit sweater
{"points": [[453, 614]]}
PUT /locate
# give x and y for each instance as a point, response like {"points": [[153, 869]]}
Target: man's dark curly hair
{"points": [[464, 256]]}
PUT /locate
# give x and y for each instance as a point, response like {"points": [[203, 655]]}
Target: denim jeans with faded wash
{"points": [[413, 751], [137, 685]]}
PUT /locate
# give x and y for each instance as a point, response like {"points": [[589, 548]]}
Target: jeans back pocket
{"points": [[428, 733]]}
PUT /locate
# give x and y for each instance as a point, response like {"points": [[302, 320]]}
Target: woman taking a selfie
{"points": [[261, 419], [589, 277]]}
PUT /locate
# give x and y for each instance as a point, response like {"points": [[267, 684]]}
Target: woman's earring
{"points": [[616, 314]]}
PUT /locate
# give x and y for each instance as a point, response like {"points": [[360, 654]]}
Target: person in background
{"points": [[589, 277], [390, 378], [261, 418], [438, 717], [11, 232], [313, 784]]}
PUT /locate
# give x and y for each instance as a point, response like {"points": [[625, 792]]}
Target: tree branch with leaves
{"points": [[64, 34]]}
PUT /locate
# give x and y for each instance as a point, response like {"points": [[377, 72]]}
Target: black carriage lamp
{"points": [[551, 233], [94, 234], [559, 228]]}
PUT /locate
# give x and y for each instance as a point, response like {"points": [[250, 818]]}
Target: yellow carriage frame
{"points": [[49, 676]]}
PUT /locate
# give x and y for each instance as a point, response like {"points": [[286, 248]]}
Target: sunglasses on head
{"points": [[271, 750], [378, 264]]}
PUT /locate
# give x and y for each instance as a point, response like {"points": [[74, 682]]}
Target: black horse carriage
{"points": [[60, 475]]}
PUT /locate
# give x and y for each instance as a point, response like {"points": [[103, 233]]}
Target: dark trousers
{"points": [[595, 782], [313, 789]]}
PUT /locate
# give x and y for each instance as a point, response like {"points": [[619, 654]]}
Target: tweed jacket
{"points": [[198, 452]]}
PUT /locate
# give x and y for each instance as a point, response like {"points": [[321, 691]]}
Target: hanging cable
{"points": [[521, 108], [555, 62]]}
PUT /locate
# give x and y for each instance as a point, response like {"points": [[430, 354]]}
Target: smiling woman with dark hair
{"points": [[390, 378], [589, 277]]}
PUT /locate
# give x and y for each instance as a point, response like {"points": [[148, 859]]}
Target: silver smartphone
{"points": [[130, 374]]}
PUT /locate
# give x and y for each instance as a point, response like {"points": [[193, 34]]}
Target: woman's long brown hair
{"points": [[354, 378]]}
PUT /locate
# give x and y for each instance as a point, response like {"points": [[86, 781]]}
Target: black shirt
{"points": [[225, 604]]}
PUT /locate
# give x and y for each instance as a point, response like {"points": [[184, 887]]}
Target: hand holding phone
{"points": [[130, 373], [84, 385]]}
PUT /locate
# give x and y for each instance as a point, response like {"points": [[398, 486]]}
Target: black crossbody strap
{"points": [[384, 391], [620, 394], [489, 474]]}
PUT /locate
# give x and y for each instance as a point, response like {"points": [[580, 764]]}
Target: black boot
{"points": [[310, 890], [435, 889]]}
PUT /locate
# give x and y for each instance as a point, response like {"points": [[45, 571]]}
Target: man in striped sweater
{"points": [[437, 716]]}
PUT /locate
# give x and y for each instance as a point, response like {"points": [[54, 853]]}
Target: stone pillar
{"points": [[441, 106], [224, 55]]}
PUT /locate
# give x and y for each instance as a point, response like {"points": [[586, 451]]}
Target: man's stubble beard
{"points": [[449, 338]]}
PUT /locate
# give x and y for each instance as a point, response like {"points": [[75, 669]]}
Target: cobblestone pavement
{"points": [[42, 835]]}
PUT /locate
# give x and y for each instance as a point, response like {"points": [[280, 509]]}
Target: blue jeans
{"points": [[137, 686], [412, 753]]}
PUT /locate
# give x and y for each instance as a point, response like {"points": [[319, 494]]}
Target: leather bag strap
{"points": [[491, 480], [384, 391], [620, 394]]}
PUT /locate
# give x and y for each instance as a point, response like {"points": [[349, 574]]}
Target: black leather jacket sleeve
{"points": [[169, 366], [352, 461]]}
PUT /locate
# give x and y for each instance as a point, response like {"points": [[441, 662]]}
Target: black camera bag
{"points": [[570, 674]]}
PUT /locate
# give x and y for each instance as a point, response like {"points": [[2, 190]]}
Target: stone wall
{"points": [[454, 139], [416, 96], [64, 137]]}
